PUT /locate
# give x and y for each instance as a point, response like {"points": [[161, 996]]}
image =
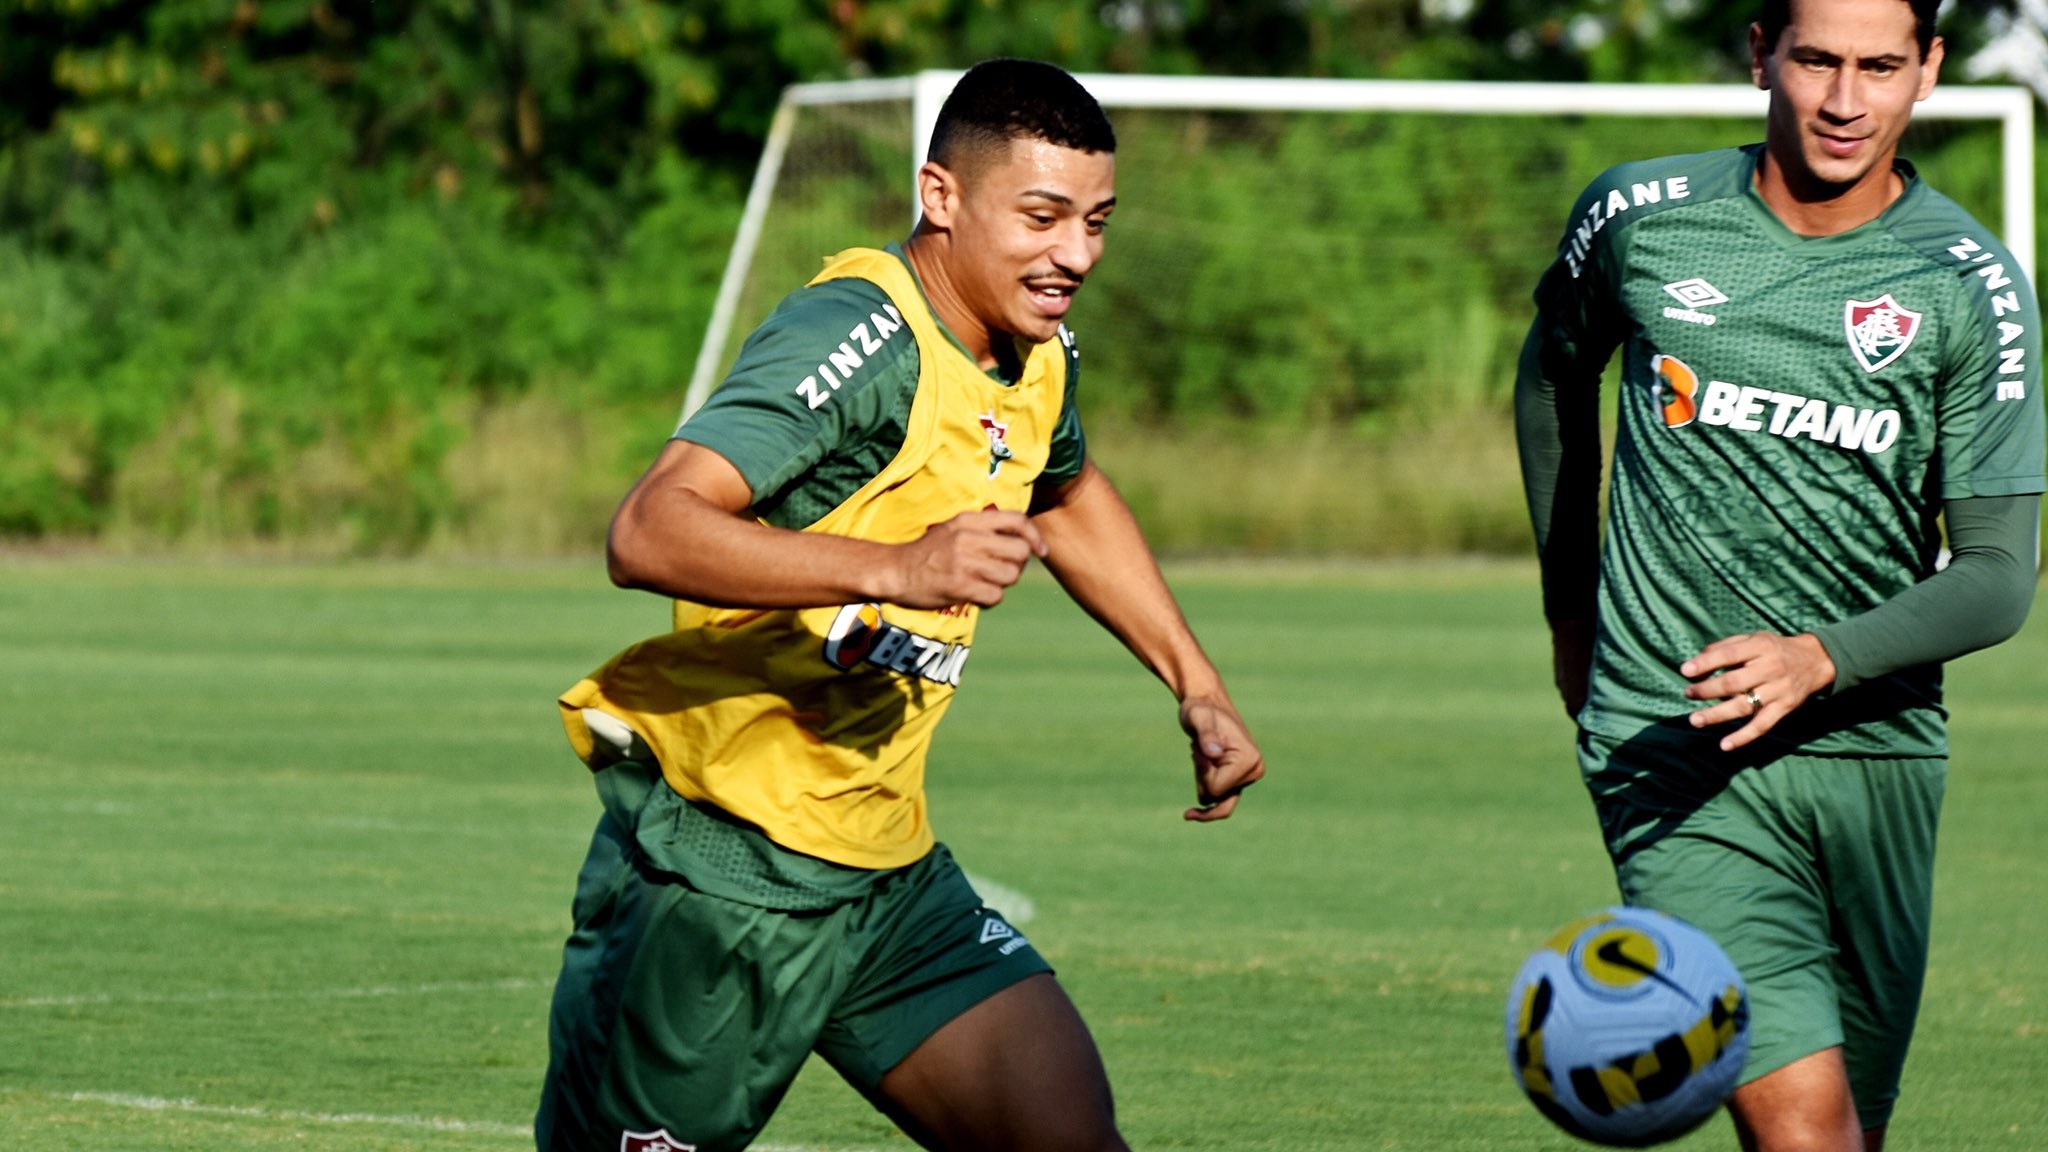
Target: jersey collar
{"points": [[1818, 246]]}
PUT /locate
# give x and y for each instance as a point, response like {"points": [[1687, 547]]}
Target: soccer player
{"points": [[1820, 356], [893, 446]]}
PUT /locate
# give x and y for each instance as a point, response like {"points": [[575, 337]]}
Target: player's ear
{"points": [[938, 193], [1759, 54], [1930, 68]]}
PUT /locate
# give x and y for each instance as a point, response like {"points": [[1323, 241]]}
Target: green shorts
{"points": [[1815, 875], [689, 1014]]}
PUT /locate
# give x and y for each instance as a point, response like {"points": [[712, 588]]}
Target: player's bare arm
{"points": [[685, 531], [1094, 547]]}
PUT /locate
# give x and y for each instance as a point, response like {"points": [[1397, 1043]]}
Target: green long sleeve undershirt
{"points": [[1980, 599]]}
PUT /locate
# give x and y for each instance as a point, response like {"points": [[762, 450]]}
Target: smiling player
{"points": [[1821, 355], [893, 446]]}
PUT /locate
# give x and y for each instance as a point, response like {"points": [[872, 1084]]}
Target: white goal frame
{"points": [[2012, 107]]}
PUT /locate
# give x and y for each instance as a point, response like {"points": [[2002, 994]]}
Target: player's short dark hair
{"points": [[998, 101], [1778, 16]]}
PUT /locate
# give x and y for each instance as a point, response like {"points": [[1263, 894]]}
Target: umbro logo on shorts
{"points": [[656, 1141], [993, 929]]}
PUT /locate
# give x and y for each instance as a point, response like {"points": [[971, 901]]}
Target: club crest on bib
{"points": [[1879, 330], [998, 442], [656, 1141]]}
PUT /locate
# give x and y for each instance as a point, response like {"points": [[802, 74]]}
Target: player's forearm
{"points": [[1557, 429], [683, 546], [1097, 552], [1980, 599]]}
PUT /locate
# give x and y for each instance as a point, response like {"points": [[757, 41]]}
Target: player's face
{"points": [[1026, 230], [1843, 80]]}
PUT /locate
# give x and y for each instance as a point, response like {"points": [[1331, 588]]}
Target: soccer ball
{"points": [[1628, 1027]]}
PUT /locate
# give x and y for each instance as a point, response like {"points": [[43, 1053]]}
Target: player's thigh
{"points": [[1017, 1072], [1736, 875], [1802, 1106], [1878, 847], [677, 1012], [952, 1022]]}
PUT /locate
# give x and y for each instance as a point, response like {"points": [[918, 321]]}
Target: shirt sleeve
{"points": [[1980, 599], [1069, 443], [1557, 417], [815, 376], [1990, 432]]}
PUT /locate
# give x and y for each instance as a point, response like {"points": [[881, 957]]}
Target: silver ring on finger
{"points": [[1756, 702]]}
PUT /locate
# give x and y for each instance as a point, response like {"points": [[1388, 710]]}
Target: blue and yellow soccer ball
{"points": [[1628, 1027]]}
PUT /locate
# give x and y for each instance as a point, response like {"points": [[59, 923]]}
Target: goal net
{"points": [[1345, 255]]}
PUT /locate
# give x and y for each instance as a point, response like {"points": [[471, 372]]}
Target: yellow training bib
{"points": [[814, 724]]}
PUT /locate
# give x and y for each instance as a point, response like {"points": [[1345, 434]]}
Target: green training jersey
{"points": [[818, 402], [1793, 411]]}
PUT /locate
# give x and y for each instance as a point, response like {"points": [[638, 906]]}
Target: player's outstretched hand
{"points": [[969, 559], [1226, 760], [1762, 677]]}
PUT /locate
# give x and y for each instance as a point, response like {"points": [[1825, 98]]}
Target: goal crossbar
{"points": [[2011, 106]]}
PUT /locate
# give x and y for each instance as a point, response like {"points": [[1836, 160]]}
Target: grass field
{"points": [[286, 855]]}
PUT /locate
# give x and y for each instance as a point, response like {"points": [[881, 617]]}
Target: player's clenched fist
{"points": [[969, 559], [1226, 760]]}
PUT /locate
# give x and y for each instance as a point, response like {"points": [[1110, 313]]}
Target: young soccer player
{"points": [[893, 446], [1820, 356]]}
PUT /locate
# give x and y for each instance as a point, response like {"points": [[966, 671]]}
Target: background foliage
{"points": [[384, 275]]}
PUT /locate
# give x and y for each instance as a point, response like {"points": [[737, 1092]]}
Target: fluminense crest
{"points": [[1879, 330]]}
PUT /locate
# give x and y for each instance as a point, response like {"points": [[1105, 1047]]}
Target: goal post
{"points": [[855, 144]]}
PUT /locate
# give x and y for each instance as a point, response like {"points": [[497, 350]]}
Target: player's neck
{"points": [[928, 252], [1812, 208]]}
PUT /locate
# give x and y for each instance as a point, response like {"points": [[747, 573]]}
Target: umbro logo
{"points": [[994, 929], [1694, 294]]}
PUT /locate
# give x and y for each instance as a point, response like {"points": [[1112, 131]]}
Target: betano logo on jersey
{"points": [[1680, 400], [1676, 389], [1879, 330], [860, 635]]}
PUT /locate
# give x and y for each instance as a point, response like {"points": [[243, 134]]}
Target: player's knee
{"points": [[1104, 1138], [1800, 1131], [1069, 1129]]}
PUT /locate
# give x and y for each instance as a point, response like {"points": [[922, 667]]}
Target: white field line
{"points": [[1015, 906], [297, 1116], [235, 995], [162, 1104]]}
